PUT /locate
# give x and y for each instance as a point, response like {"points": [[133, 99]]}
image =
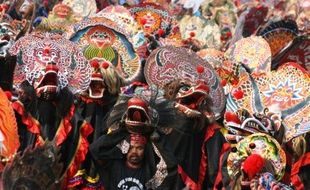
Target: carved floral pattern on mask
{"points": [[37, 51]]}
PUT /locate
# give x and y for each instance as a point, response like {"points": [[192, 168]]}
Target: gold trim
{"points": [[28, 115], [61, 125], [109, 130], [80, 173], [91, 179]]}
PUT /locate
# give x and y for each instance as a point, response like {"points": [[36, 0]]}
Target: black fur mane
{"points": [[63, 100]]}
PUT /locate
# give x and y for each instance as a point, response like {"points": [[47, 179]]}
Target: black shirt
{"points": [[120, 177]]}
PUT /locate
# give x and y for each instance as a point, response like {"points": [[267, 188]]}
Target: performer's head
{"points": [[135, 155]]}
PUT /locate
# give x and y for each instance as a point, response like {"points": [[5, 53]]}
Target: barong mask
{"points": [[143, 112], [188, 80], [158, 25], [286, 89], [252, 53], [279, 34], [242, 123], [50, 63], [59, 20], [263, 152], [192, 100], [227, 71], [151, 17], [100, 37], [139, 116], [287, 43], [122, 17], [9, 32], [82, 9], [104, 80]]}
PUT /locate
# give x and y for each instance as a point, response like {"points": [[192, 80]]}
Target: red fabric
{"points": [[33, 126], [39, 141], [295, 179], [186, 179], [65, 127], [139, 139], [203, 162], [82, 148], [226, 147], [88, 100], [81, 151]]}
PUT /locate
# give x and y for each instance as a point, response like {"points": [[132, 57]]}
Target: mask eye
{"points": [[252, 145], [184, 88], [3, 30]]}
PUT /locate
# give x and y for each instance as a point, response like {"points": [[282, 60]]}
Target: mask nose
{"points": [[51, 67], [46, 51]]}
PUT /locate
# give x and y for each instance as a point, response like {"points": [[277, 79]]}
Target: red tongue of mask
{"points": [[137, 116], [137, 102], [192, 106]]}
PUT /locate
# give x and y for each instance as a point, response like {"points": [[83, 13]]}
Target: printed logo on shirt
{"points": [[130, 183]]}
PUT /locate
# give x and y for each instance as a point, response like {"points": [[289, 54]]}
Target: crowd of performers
{"points": [[155, 94]]}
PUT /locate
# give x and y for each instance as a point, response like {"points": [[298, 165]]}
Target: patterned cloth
{"points": [[267, 181]]}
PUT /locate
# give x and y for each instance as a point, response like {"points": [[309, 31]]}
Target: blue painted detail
{"points": [[231, 104], [299, 106], [258, 106]]}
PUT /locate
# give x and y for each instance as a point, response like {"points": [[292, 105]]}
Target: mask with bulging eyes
{"points": [[6, 41], [256, 145], [9, 30], [193, 100], [139, 116], [105, 80], [50, 63], [188, 80], [243, 123], [101, 37]]}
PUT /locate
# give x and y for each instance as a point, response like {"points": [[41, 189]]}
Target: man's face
{"points": [[135, 154]]}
